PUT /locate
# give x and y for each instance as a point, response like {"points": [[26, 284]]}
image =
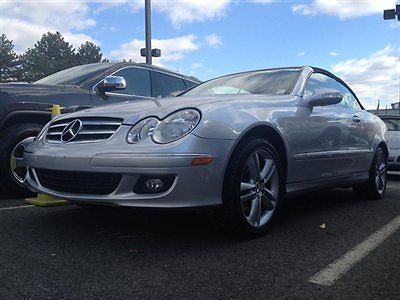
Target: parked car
{"points": [[25, 108], [393, 124], [241, 142]]}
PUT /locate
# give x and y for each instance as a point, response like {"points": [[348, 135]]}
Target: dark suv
{"points": [[26, 107]]}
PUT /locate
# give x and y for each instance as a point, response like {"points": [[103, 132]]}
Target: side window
{"points": [[319, 82], [348, 99], [190, 84], [164, 85], [137, 82]]}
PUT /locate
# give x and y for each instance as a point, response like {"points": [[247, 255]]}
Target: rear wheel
{"points": [[12, 167], [252, 187], [375, 187]]}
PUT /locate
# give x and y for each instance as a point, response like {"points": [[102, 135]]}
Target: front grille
{"points": [[79, 182], [94, 129]]}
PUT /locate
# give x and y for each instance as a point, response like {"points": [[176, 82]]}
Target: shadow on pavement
{"points": [[185, 226], [395, 176]]}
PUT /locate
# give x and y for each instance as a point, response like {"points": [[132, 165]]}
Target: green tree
{"points": [[8, 60], [49, 55], [88, 53]]}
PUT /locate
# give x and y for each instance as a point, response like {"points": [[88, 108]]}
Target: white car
{"points": [[393, 124]]}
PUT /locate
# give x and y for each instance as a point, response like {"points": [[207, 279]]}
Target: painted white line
{"points": [[15, 207], [332, 272]]}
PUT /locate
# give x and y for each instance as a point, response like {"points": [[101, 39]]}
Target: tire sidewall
{"points": [[13, 136], [233, 176], [372, 174]]}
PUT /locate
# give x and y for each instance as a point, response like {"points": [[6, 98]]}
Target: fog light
{"points": [[154, 184]]}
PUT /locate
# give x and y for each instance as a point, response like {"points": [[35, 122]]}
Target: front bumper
{"points": [[193, 185], [394, 160]]}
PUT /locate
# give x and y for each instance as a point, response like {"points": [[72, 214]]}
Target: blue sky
{"points": [[210, 38]]}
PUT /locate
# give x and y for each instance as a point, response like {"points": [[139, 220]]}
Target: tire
{"points": [[375, 187], [252, 192], [14, 136]]}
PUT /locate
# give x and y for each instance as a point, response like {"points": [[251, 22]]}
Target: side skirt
{"points": [[294, 189]]}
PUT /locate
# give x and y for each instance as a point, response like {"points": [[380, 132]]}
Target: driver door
{"points": [[324, 152]]}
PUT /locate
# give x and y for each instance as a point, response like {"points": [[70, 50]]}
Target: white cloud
{"points": [[172, 49], [263, 1], [178, 12], [302, 53], [343, 9], [25, 34], [374, 77], [395, 24], [334, 53], [213, 40], [24, 22], [194, 67]]}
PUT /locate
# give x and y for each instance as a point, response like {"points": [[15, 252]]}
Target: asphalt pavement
{"points": [[74, 253]]}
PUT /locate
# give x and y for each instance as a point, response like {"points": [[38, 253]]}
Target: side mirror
{"points": [[111, 83], [324, 99]]}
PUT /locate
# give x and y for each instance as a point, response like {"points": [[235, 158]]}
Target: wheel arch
{"points": [[272, 135], [384, 146], [21, 117]]}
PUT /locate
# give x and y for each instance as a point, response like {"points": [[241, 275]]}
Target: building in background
{"points": [[393, 110]]}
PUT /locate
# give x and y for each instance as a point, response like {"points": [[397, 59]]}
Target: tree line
{"points": [[49, 55]]}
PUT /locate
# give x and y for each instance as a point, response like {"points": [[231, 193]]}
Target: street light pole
{"points": [[147, 11]]}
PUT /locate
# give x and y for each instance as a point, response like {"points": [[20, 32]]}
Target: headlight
{"points": [[176, 126], [172, 128], [141, 130]]}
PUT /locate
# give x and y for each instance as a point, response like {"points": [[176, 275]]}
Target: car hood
{"points": [[134, 110], [21, 89]]}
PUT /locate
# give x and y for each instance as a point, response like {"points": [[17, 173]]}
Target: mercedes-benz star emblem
{"points": [[71, 131]]}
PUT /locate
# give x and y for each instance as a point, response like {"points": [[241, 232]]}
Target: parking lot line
{"points": [[15, 207], [331, 273]]}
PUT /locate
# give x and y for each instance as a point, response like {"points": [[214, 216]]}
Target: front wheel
{"points": [[252, 187], [13, 170], [375, 187]]}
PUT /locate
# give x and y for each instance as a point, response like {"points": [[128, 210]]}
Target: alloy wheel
{"points": [[259, 188], [18, 166], [380, 172]]}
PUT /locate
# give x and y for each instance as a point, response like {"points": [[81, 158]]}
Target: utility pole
{"points": [[148, 52], [399, 96], [147, 12]]}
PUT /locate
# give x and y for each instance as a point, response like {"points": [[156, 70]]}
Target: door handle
{"points": [[356, 119]]}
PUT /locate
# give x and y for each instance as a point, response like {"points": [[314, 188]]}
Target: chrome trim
{"points": [[96, 132], [59, 129], [329, 154], [94, 123], [70, 130]]}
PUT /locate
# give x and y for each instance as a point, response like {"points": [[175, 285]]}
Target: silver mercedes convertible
{"points": [[242, 142]]}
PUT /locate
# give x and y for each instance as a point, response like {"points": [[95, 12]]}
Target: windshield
{"points": [[73, 76], [270, 82], [392, 124]]}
